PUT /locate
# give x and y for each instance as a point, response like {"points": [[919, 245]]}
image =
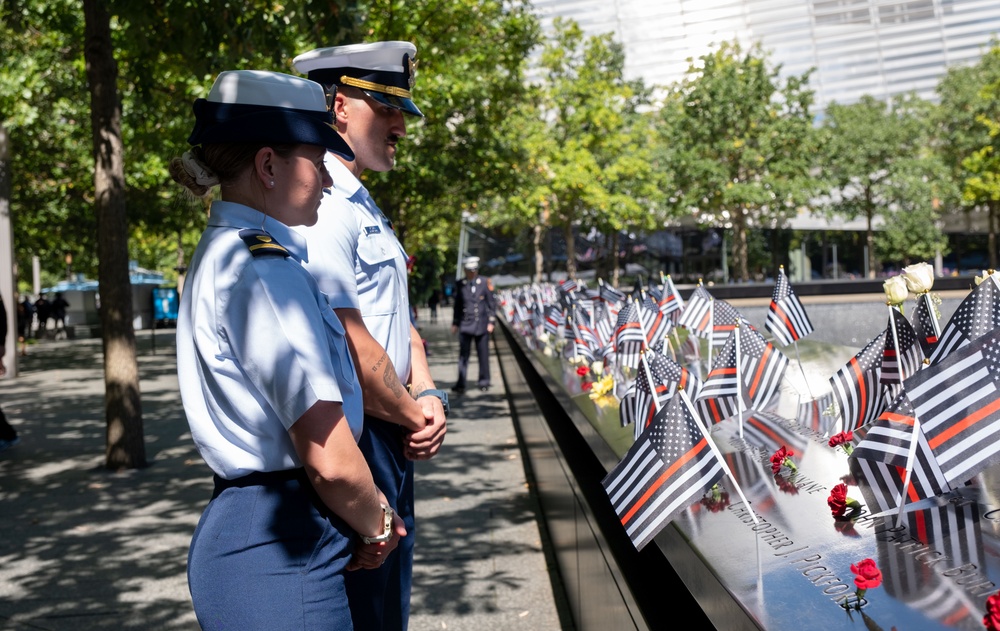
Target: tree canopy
{"points": [[878, 161], [967, 122], [740, 138], [586, 155]]}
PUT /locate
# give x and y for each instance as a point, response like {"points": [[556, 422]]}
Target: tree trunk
{"points": [[740, 248], [539, 235], [870, 234], [8, 282], [994, 209], [122, 403], [536, 242], [570, 250], [615, 269]]}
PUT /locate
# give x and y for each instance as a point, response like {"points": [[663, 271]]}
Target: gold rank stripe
{"points": [[268, 246], [368, 85]]}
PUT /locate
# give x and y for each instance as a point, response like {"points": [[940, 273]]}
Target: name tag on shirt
{"points": [[370, 230]]}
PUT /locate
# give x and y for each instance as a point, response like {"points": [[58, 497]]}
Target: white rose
{"points": [[979, 279], [919, 277], [895, 290], [597, 368], [547, 351]]}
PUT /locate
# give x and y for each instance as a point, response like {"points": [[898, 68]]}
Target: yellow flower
{"points": [[602, 387]]}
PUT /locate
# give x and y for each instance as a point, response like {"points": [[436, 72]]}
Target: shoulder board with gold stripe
{"points": [[261, 243]]}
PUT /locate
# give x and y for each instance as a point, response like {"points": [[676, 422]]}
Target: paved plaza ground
{"points": [[83, 548]]}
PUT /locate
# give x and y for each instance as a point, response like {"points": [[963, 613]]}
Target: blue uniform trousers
{"points": [[268, 555], [380, 598], [482, 354]]}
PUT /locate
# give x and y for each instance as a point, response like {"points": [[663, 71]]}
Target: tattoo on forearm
{"points": [[381, 360], [417, 388], [391, 381]]}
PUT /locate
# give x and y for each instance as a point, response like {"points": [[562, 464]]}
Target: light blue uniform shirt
{"points": [[257, 345], [359, 263]]}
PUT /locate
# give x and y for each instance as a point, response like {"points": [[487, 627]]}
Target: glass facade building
{"points": [[856, 47]]}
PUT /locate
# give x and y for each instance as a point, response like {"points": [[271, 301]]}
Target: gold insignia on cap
{"points": [[361, 84]]}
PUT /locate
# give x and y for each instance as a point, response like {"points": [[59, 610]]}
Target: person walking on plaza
{"points": [[8, 436], [266, 378], [359, 263], [25, 314], [475, 313], [43, 309], [58, 307]]}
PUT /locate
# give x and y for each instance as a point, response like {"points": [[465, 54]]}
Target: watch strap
{"points": [[440, 394], [386, 528]]}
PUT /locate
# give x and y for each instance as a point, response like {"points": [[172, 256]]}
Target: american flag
{"points": [[667, 376], [888, 440], [856, 387], [604, 323], [697, 315], [665, 471], [787, 320], [654, 322], [610, 295], [584, 331], [629, 338], [670, 300], [717, 400], [762, 367], [568, 286], [725, 317], [898, 364], [958, 403], [879, 483], [584, 310], [978, 314], [555, 320], [576, 344], [925, 324]]}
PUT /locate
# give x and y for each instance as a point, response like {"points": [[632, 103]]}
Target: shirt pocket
{"points": [[379, 284]]}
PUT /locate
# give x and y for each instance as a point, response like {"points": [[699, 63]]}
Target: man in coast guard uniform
{"points": [[475, 313], [360, 265]]}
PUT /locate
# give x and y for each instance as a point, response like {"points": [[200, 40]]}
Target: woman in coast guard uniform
{"points": [[268, 386]]}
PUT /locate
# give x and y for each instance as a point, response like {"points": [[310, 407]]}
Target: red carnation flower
{"points": [[586, 386], [843, 439], [838, 500], [582, 371], [992, 618], [782, 457]]}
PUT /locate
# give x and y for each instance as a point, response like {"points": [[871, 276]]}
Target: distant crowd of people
{"points": [[33, 319]]}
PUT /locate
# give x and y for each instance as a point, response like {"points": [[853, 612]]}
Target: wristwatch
{"points": [[386, 528], [441, 394]]}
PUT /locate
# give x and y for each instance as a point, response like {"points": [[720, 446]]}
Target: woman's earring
{"points": [[270, 184]]}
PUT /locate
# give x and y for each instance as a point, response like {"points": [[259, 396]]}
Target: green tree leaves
{"points": [[878, 161], [741, 141]]}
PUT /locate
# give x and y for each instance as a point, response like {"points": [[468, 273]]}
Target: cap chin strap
{"points": [[377, 87]]}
